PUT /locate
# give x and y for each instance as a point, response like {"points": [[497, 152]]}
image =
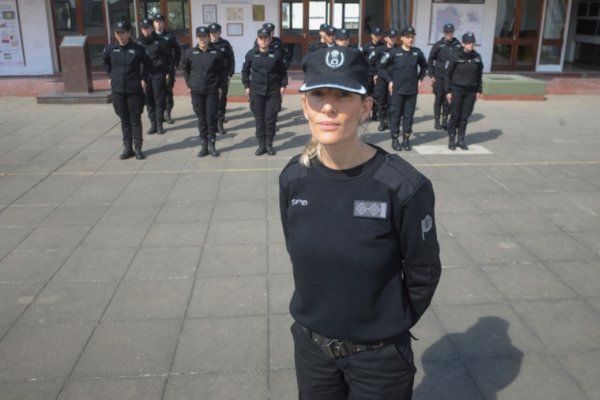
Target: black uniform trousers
{"points": [[129, 107], [440, 104], [155, 98], [223, 100], [265, 109], [169, 103], [461, 108], [382, 97], [382, 374], [205, 107], [402, 108]]}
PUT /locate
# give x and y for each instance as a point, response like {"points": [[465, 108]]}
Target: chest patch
{"points": [[370, 209]]}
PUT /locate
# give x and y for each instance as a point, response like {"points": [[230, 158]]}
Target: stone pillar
{"points": [[75, 60]]}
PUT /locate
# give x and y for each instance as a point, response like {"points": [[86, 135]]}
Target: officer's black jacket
{"points": [[405, 68], [363, 246], [264, 73], [204, 70], [441, 52], [171, 40], [126, 66], [369, 53], [158, 52], [227, 51], [464, 72], [381, 51], [316, 46]]}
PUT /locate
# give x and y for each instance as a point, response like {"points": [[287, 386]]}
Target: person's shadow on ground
{"points": [[492, 358]]}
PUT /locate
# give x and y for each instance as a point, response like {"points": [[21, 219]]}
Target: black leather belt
{"points": [[336, 348]]}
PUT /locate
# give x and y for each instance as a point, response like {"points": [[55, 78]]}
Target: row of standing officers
{"points": [[143, 72]]}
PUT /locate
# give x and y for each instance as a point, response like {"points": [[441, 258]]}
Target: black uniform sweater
{"points": [[464, 72], [363, 246], [204, 70], [442, 51], [126, 66], [405, 68]]}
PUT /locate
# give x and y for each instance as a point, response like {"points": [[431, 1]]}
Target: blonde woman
{"points": [[360, 230]]}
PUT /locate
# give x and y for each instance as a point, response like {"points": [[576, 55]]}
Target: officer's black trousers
{"points": [[461, 109], [129, 107], [440, 104], [205, 107], [382, 96], [265, 109], [169, 103], [383, 374], [155, 98], [402, 106], [223, 101]]}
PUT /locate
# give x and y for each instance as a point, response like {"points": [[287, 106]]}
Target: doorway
{"points": [[516, 35]]}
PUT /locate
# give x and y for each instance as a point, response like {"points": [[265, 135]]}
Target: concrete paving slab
{"points": [[16, 297], [75, 215], [164, 263], [282, 384], [581, 276], [495, 249], [556, 247], [11, 236], [281, 344], [246, 385], [466, 286], [93, 265], [185, 211], [233, 260], [115, 236], [24, 216], [54, 238], [176, 234], [239, 209], [150, 388], [440, 380], [237, 232], [281, 288], [279, 259], [99, 189], [31, 390], [582, 367], [129, 214]]}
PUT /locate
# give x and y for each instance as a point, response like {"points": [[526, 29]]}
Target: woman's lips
{"points": [[328, 126]]}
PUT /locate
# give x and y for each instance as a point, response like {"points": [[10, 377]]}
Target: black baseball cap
{"points": [[342, 34], [269, 26], [409, 30], [376, 31], [214, 27], [468, 37], [263, 32], [391, 33], [323, 27], [202, 30], [121, 26], [159, 17], [147, 23], [342, 68], [448, 28], [331, 30]]}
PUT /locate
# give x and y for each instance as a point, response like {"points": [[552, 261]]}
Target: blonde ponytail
{"points": [[312, 150]]}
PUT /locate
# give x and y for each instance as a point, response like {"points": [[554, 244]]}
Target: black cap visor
{"points": [[334, 81]]}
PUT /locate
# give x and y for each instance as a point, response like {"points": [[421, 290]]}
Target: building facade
{"points": [[512, 35]]}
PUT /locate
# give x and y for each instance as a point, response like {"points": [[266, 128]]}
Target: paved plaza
{"points": [[168, 279]]}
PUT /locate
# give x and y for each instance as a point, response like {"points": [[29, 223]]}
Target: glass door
{"points": [[517, 35], [551, 53], [300, 21]]}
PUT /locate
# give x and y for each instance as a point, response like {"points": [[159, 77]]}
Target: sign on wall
{"points": [[466, 17], [11, 45]]}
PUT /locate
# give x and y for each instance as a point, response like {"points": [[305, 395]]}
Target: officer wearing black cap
{"points": [[441, 52], [264, 75], [204, 71], [342, 38], [277, 44], [171, 40], [360, 230], [369, 52], [321, 42], [463, 84], [382, 94], [127, 67], [225, 48], [404, 69], [160, 55]]}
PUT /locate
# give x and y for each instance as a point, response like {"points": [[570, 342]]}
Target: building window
{"points": [[346, 15]]}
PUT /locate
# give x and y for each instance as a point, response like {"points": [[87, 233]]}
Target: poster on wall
{"points": [[11, 45], [466, 17]]}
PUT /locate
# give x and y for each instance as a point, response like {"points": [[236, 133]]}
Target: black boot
{"points": [[138, 151], [395, 143], [211, 147], [204, 149], [168, 118], [159, 127], [220, 127], [461, 140], [444, 122], [270, 150], [152, 129], [406, 142], [437, 124], [261, 149], [452, 139], [383, 125], [127, 151]]}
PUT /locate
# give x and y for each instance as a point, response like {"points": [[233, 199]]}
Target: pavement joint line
{"points": [[235, 170]]}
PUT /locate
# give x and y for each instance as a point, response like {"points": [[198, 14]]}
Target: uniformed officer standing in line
{"points": [[264, 75], [464, 85], [277, 44], [404, 68], [342, 38], [368, 52], [321, 42], [382, 94], [330, 36], [171, 39], [160, 55], [359, 227], [441, 52], [204, 71], [227, 51], [127, 67]]}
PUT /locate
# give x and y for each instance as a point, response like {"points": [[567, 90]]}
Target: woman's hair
{"points": [[313, 149]]}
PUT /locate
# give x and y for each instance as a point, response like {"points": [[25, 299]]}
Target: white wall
{"points": [[240, 44], [38, 40], [485, 44]]}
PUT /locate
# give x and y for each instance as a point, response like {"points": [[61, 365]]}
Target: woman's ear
{"points": [[367, 105]]}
